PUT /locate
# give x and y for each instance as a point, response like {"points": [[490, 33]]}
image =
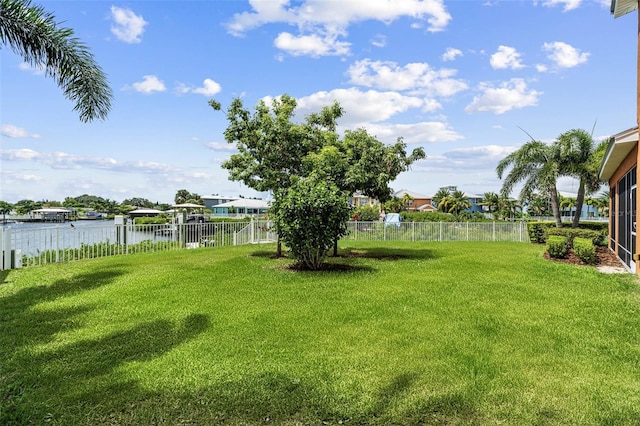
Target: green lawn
{"points": [[397, 333]]}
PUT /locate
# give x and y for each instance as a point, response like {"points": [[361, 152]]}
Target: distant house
{"points": [[211, 201], [360, 200], [620, 169], [588, 212], [417, 202], [241, 207]]}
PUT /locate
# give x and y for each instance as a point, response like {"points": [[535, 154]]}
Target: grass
{"points": [[400, 333]]}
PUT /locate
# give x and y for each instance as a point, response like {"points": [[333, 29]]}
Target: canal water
{"points": [[35, 237]]}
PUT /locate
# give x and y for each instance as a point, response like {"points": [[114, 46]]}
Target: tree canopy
{"points": [[274, 153]]}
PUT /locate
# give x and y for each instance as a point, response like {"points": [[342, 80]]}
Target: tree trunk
{"points": [[335, 247], [554, 206], [579, 203]]}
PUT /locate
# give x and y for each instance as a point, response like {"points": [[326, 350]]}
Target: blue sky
{"points": [[459, 78]]}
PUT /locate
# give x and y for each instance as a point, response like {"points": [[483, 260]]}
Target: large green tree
{"points": [[274, 152], [32, 33]]}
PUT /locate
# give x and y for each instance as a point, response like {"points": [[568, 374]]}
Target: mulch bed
{"points": [[604, 257]]}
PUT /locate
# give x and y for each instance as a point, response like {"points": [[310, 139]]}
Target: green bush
{"points": [[585, 250], [427, 217], [557, 246], [596, 237], [367, 213], [538, 231], [311, 215], [155, 220]]}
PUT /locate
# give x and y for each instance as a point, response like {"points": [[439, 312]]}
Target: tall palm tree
{"points": [[580, 158], [32, 33], [535, 163]]}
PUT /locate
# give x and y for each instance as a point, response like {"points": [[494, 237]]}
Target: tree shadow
{"points": [[388, 253], [81, 371]]}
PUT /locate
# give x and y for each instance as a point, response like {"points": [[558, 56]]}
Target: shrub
{"points": [[585, 250], [596, 237], [427, 217], [311, 215], [557, 246], [538, 231], [367, 213]]}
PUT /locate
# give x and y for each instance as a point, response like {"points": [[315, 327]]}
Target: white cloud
{"points": [[149, 84], [513, 94], [506, 57], [419, 77], [209, 88], [312, 45], [567, 4], [565, 55], [338, 14], [35, 70], [11, 131], [379, 40], [487, 153], [221, 146], [20, 154], [360, 107], [451, 54], [414, 133], [128, 27], [320, 22]]}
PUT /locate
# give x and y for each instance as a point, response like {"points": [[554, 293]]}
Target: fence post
{"points": [[440, 239], [413, 231], [6, 247], [57, 243], [494, 230], [252, 231]]}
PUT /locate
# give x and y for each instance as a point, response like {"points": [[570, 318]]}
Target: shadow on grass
{"points": [[388, 253], [30, 380], [264, 398]]}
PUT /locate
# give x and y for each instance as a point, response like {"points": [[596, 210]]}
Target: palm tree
{"points": [[32, 33], [538, 205], [537, 165], [568, 203], [439, 196], [491, 200], [455, 202], [581, 158]]}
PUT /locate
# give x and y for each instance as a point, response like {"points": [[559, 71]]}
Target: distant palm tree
{"points": [[537, 164], [491, 200], [437, 198], [32, 33], [455, 202], [568, 203]]}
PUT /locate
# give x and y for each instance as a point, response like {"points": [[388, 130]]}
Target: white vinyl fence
{"points": [[438, 231], [37, 245]]}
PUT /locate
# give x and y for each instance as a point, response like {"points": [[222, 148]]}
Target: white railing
{"points": [[37, 245]]}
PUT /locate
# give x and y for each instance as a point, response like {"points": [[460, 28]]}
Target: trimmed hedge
{"points": [[557, 246], [585, 250], [598, 238], [598, 232]]}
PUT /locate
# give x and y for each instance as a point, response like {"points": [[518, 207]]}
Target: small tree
{"points": [[310, 214]]}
